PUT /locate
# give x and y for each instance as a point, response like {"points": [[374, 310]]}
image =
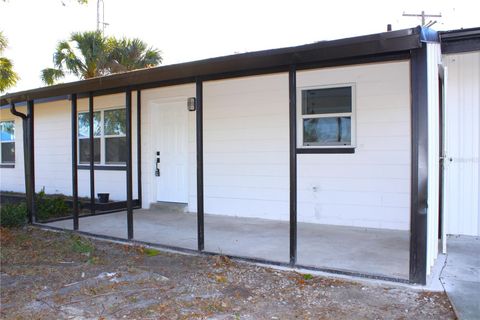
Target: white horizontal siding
{"points": [[13, 179], [246, 164], [370, 188]]}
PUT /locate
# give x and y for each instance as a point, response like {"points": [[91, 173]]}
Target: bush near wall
{"points": [[47, 207], [50, 207], [13, 215]]}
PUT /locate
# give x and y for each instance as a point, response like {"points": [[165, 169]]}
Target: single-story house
{"points": [[353, 156]]}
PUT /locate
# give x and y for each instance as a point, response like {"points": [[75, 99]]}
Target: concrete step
{"points": [[169, 207]]}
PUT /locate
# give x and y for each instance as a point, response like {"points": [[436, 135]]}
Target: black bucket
{"points": [[103, 197]]}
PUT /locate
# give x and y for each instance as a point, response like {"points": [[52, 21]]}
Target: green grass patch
{"points": [[81, 245], [151, 252], [307, 276]]}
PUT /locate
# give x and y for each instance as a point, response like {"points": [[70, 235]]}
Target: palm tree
{"points": [[84, 55], [90, 54], [130, 54], [8, 77]]}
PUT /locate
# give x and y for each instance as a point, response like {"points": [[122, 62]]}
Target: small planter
{"points": [[103, 197]]}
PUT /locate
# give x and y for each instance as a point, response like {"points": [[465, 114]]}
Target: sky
{"points": [[187, 30]]}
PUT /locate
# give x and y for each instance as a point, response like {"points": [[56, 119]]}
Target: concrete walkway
{"points": [[461, 276], [362, 250]]}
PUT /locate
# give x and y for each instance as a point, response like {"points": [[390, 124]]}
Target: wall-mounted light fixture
{"points": [[191, 103]]}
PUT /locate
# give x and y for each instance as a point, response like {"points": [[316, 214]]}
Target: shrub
{"points": [[50, 207], [13, 215]]}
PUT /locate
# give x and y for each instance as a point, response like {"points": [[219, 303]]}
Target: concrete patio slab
{"points": [[461, 276], [361, 250]]}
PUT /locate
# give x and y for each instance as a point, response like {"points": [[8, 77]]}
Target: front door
{"points": [[172, 151]]}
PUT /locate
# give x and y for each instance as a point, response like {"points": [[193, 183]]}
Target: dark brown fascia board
{"points": [[453, 35], [362, 46], [460, 41]]}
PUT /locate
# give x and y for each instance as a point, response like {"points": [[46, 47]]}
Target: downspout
{"points": [[27, 125]]}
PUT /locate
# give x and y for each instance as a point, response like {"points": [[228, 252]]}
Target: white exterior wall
{"points": [[462, 139], [246, 147], [52, 132], [370, 188], [13, 179], [246, 150], [433, 62]]}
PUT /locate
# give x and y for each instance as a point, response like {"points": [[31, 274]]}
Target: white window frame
{"points": [[352, 115], [10, 141], [102, 137]]}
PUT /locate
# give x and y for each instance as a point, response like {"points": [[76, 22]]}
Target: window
{"points": [[327, 117], [109, 137], [7, 140]]}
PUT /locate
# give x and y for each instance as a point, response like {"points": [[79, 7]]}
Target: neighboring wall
{"points": [[52, 130], [462, 174]]}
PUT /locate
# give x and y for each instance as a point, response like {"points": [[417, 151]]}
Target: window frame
{"points": [[352, 115], [9, 141], [102, 137]]}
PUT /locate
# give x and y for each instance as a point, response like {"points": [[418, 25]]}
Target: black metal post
{"points": [[128, 118], [31, 158], [292, 88], [74, 162], [200, 208], [92, 152], [419, 173], [139, 147], [28, 157]]}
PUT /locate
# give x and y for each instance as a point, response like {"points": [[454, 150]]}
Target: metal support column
{"points": [[419, 173], [292, 88], [128, 118], [31, 159], [74, 161], [200, 209], [92, 152], [28, 157], [139, 147]]}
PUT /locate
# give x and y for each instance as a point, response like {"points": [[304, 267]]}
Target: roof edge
{"points": [[360, 46]]}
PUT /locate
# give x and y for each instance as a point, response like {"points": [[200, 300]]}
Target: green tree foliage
{"points": [[130, 54], [90, 54], [8, 77]]}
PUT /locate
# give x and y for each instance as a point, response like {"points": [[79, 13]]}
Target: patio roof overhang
{"points": [[304, 56]]}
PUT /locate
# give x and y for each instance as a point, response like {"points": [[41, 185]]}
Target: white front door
{"points": [[172, 145]]}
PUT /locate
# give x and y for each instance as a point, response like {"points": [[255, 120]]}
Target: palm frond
{"points": [[8, 77], [50, 76], [3, 42]]}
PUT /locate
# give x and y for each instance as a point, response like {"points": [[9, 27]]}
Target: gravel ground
{"points": [[51, 275]]}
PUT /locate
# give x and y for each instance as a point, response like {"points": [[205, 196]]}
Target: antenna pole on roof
{"points": [[101, 22], [422, 15]]}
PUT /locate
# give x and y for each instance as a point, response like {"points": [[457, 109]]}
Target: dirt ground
{"points": [[51, 275]]}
